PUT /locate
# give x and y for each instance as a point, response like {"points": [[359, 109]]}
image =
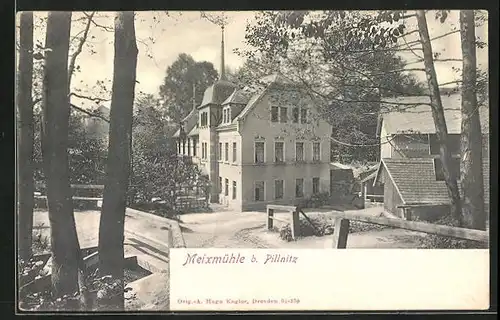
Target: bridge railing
{"points": [[342, 221]]}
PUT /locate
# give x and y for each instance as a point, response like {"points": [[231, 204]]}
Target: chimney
{"points": [[222, 65]]}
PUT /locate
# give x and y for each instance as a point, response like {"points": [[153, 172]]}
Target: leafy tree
{"points": [[322, 52], [158, 172], [177, 88]]}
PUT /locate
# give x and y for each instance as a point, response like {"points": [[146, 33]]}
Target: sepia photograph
{"points": [[142, 133]]}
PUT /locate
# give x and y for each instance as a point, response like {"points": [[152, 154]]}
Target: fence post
{"points": [[270, 214], [170, 238], [340, 233], [295, 224]]}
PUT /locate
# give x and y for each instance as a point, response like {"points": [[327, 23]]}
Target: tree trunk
{"points": [[439, 119], [111, 229], [25, 149], [56, 111], [471, 170]]}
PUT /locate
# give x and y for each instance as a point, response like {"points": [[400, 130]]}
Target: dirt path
{"points": [[247, 230], [223, 230]]}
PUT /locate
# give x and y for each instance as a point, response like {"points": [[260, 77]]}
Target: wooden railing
{"points": [[92, 198], [341, 229], [294, 211], [341, 225]]}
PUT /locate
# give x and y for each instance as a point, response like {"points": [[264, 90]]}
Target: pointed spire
{"points": [[194, 95], [222, 62]]}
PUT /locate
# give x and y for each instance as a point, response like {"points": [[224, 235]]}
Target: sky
{"points": [[162, 36]]}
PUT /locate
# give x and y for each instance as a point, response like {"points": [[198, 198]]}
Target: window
{"points": [[228, 115], [299, 188], [224, 112], [283, 114], [234, 189], [316, 151], [219, 154], [295, 115], [226, 187], [279, 152], [189, 147], [303, 115], [203, 119], [184, 147], [259, 152], [315, 185], [204, 150], [234, 152], [454, 167], [278, 189], [194, 147], [274, 114], [220, 184], [299, 151], [226, 151], [259, 191]]}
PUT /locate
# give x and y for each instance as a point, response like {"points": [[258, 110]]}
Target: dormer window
{"points": [[226, 115]]}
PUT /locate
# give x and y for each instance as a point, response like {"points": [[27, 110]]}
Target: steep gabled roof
{"points": [[217, 93], [189, 122], [415, 180], [239, 96], [419, 118]]}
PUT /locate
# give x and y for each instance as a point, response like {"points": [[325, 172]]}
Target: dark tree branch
{"points": [[79, 48], [94, 99], [90, 114]]}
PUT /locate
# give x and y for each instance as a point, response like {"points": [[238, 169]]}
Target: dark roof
{"points": [[217, 93], [239, 96], [419, 118], [415, 180], [189, 122]]}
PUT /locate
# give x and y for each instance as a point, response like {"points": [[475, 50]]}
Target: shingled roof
{"points": [[217, 93], [418, 117], [415, 180]]}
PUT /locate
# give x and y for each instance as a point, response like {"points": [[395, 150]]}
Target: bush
{"points": [[431, 241]]}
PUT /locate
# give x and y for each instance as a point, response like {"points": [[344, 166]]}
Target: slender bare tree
{"points": [[471, 170], [111, 229], [25, 138], [56, 111], [438, 116]]}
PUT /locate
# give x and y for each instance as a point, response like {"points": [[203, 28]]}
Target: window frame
{"points": [[226, 187], [281, 118], [263, 191], [282, 189], [303, 152], [235, 152], [234, 190], [319, 151], [255, 152], [277, 114], [318, 185], [302, 188], [282, 150]]}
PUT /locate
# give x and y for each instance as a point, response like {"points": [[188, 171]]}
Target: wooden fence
{"points": [[341, 226], [294, 222]]}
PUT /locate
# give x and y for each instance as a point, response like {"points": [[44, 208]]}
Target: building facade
{"points": [[410, 169], [258, 146]]}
